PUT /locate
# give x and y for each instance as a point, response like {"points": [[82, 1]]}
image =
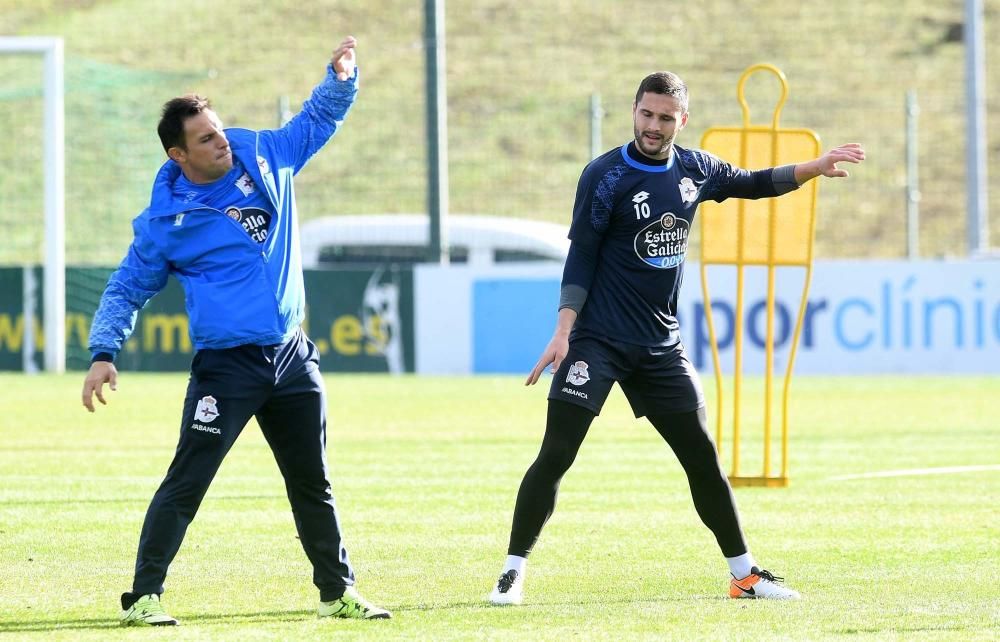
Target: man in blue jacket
{"points": [[222, 220]]}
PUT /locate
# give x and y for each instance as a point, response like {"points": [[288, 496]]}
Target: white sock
{"points": [[516, 563], [740, 565]]}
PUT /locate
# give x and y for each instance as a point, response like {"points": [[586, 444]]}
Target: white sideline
{"points": [[947, 470]]}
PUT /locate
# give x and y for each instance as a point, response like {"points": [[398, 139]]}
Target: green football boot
{"points": [[146, 611], [352, 605]]}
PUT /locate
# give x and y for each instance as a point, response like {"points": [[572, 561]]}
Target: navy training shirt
{"points": [[629, 237]]}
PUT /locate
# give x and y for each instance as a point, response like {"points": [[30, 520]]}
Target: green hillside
{"points": [[520, 76]]}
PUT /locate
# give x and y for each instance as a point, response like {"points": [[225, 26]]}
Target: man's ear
{"points": [[684, 120], [177, 154]]}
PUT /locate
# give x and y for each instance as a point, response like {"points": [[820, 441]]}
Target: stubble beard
{"points": [[657, 151]]}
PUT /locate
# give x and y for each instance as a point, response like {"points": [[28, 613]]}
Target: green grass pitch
{"points": [[425, 471]]}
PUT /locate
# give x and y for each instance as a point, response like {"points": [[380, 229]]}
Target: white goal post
{"points": [[55, 188]]}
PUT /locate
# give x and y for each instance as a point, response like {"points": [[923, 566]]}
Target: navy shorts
{"points": [[656, 380]]}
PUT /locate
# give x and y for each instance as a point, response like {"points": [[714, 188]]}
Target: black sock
{"points": [[329, 595], [128, 599]]}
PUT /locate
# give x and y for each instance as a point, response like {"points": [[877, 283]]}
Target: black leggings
{"points": [[686, 433]]}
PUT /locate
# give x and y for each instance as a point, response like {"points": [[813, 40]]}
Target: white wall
{"points": [[864, 317], [443, 310]]}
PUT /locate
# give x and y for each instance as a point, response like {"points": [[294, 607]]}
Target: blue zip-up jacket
{"points": [[237, 291]]}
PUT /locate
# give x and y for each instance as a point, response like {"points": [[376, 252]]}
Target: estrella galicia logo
{"points": [[253, 219], [663, 243], [578, 374]]}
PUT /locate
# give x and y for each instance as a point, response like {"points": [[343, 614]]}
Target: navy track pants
{"points": [[282, 387]]}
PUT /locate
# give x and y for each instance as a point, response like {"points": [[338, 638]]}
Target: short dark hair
{"points": [[664, 82], [175, 112]]}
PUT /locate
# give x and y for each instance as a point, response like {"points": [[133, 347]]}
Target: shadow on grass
{"points": [[112, 622], [105, 623], [56, 625]]}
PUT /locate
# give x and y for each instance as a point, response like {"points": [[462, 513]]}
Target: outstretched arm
{"points": [[826, 165], [729, 181], [321, 115]]}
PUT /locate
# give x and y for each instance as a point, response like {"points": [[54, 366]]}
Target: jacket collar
{"points": [[162, 201]]}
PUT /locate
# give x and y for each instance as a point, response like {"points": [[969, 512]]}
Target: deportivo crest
{"points": [[689, 192], [206, 412], [663, 243], [578, 374], [245, 184]]}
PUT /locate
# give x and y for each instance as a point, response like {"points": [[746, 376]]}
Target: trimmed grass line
{"points": [[909, 472]]}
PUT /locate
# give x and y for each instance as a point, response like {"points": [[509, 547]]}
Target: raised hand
{"points": [[343, 58]]}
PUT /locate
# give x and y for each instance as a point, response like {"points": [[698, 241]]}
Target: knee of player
{"points": [[558, 458]]}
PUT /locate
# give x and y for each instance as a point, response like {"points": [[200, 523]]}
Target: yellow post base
{"points": [[765, 482]]}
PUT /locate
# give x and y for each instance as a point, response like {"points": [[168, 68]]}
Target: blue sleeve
{"points": [[591, 217], [142, 273], [728, 181], [317, 121], [578, 275]]}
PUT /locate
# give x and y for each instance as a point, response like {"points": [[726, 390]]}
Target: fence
{"points": [[520, 76]]}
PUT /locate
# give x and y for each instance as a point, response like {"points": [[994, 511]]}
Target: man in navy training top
{"points": [[617, 321], [222, 220]]}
